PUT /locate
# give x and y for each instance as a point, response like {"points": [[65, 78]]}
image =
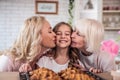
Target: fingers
{"points": [[91, 69], [94, 70], [25, 68]]}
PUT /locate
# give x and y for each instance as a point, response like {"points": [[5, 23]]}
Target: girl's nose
{"points": [[63, 35]]}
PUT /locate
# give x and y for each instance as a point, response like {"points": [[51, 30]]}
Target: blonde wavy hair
{"points": [[93, 32], [27, 45]]}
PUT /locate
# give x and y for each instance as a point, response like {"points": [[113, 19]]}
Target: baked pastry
{"points": [[73, 73], [43, 74], [70, 73]]}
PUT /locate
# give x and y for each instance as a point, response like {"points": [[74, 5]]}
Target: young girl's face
{"points": [[63, 36]]}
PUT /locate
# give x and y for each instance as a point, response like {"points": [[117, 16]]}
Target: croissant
{"points": [[43, 74], [70, 73]]}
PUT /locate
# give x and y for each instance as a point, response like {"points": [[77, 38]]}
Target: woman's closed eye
{"points": [[76, 32], [79, 34], [50, 31]]}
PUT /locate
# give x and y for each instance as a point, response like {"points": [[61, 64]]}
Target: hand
{"points": [[94, 70], [25, 68]]}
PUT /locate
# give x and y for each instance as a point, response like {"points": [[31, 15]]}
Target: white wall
{"points": [[14, 12]]}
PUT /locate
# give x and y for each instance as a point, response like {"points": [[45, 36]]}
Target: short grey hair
{"points": [[93, 32]]}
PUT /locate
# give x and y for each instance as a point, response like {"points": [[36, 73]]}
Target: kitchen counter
{"points": [[9, 76], [106, 76], [15, 76]]}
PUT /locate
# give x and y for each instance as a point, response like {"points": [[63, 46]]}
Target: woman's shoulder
{"points": [[4, 57], [4, 62], [104, 55], [7, 59], [106, 60]]}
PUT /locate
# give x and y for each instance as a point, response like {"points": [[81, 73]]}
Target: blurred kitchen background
{"points": [[14, 12]]}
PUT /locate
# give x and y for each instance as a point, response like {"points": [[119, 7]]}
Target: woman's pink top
{"points": [[7, 64]]}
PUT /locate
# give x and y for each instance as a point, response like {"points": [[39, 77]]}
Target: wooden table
{"points": [[9, 76], [15, 76], [106, 75]]}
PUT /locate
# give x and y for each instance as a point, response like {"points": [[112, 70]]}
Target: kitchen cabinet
{"points": [[105, 11], [111, 14]]}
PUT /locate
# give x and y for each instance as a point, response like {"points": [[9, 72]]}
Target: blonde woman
{"points": [[35, 37], [87, 37]]}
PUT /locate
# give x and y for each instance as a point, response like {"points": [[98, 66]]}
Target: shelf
{"points": [[112, 28], [111, 15], [111, 11]]}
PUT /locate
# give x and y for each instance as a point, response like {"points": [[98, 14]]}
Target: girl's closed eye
{"points": [[67, 34], [58, 33]]}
